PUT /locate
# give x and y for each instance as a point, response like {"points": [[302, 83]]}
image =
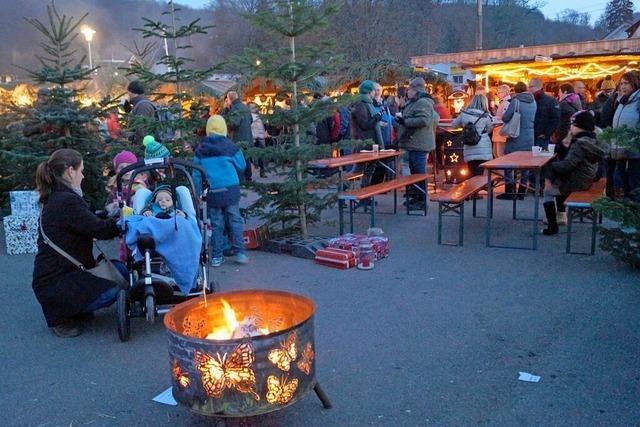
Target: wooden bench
{"points": [[370, 192], [453, 200], [579, 204]]}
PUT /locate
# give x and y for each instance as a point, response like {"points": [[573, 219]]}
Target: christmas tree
{"points": [[182, 107], [622, 239], [57, 119], [295, 70]]}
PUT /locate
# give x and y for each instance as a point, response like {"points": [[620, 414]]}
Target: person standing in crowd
{"points": [[223, 163], [65, 292], [499, 141], [607, 87], [416, 134], [526, 104], [569, 105], [440, 108], [259, 134], [581, 89], [576, 172], [547, 114], [478, 114], [628, 114], [238, 119], [365, 123], [141, 106]]}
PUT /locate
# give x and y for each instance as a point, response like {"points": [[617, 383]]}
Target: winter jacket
{"points": [[502, 108], [577, 171], [323, 130], [239, 120], [482, 150], [608, 110], [223, 162], [386, 118], [528, 108], [62, 289], [141, 106], [628, 114], [419, 121], [363, 123], [569, 105], [257, 127], [547, 115]]}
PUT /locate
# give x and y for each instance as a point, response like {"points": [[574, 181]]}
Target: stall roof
{"points": [[629, 46]]}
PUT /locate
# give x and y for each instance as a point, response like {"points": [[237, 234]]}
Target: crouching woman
{"points": [[575, 172], [64, 291]]}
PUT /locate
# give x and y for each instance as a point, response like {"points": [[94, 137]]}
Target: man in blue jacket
{"points": [[223, 162]]}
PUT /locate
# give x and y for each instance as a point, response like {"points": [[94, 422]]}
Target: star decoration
{"points": [[449, 143], [454, 158]]}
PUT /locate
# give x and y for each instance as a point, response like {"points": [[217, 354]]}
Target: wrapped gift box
{"points": [[336, 258], [255, 237], [21, 234], [352, 241], [24, 203]]}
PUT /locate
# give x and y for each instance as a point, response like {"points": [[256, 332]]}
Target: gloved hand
{"points": [[400, 120], [378, 117]]}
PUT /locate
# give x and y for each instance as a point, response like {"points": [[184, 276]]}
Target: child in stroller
{"points": [[167, 252]]}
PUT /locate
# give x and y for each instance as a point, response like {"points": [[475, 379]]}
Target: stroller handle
{"points": [[166, 164]]}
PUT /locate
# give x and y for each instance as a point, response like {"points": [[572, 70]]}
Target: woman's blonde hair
{"points": [[479, 102]]}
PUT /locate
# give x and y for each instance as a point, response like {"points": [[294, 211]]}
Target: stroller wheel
{"points": [[150, 306], [122, 310]]}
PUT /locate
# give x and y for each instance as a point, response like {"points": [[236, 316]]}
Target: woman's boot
{"points": [[550, 213]]}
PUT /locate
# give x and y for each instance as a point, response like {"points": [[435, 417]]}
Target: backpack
{"points": [[470, 135]]}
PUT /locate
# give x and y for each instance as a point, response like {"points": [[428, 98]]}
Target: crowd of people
{"points": [[408, 120]]}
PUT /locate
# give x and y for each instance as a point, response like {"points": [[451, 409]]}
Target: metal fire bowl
{"points": [[246, 376]]}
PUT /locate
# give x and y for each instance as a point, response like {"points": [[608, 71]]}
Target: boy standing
{"points": [[223, 162]]}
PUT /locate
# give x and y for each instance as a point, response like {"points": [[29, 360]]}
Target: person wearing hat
{"points": [[576, 171], [223, 163], [140, 106], [416, 134]]}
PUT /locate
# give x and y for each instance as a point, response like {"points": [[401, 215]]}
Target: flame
{"points": [[225, 331], [232, 326]]}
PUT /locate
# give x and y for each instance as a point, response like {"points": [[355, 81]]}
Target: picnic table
{"points": [[518, 161]]}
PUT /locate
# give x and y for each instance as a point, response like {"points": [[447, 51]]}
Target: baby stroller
{"points": [[152, 288]]}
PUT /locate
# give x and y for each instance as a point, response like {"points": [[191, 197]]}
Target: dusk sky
{"points": [[552, 7]]}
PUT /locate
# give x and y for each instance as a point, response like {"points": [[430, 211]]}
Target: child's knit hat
{"points": [[124, 157], [153, 149], [217, 125]]}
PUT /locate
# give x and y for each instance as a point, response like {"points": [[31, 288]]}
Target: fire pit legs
{"points": [[323, 397]]}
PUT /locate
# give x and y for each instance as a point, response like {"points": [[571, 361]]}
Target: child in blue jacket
{"points": [[223, 162]]}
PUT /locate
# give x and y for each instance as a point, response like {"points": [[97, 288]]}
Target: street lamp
{"points": [[88, 35]]}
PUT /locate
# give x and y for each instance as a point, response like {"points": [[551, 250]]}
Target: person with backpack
{"points": [[141, 106], [476, 124]]}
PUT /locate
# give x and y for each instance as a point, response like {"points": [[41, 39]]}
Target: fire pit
{"points": [[242, 353]]}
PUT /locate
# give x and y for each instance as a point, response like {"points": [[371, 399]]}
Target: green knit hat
{"points": [[153, 149], [366, 87]]}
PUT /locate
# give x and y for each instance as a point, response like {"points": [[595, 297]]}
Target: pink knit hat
{"points": [[124, 157]]}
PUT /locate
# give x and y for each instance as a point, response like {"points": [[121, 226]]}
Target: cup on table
{"points": [[535, 150], [552, 148], [376, 148]]}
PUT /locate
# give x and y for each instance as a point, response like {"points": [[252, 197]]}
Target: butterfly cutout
{"points": [[287, 353], [279, 390], [306, 362], [181, 377], [234, 373]]}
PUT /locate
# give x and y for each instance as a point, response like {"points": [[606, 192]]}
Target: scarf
{"points": [[372, 110]]}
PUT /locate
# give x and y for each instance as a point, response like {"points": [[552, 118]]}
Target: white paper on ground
{"points": [[525, 376], [166, 397]]}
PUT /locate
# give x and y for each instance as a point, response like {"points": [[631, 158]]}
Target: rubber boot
{"points": [[508, 192], [550, 213]]}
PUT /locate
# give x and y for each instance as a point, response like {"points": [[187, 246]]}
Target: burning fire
{"points": [[234, 329]]}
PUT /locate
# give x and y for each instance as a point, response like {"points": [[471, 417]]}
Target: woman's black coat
{"points": [[62, 289]]}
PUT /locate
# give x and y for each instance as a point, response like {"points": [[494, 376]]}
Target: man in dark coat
{"points": [[141, 107], [238, 118], [547, 114]]}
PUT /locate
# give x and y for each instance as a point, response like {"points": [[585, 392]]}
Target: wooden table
{"points": [[519, 160], [361, 157]]}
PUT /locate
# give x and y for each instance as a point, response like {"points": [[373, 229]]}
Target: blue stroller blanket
{"points": [[180, 248]]}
